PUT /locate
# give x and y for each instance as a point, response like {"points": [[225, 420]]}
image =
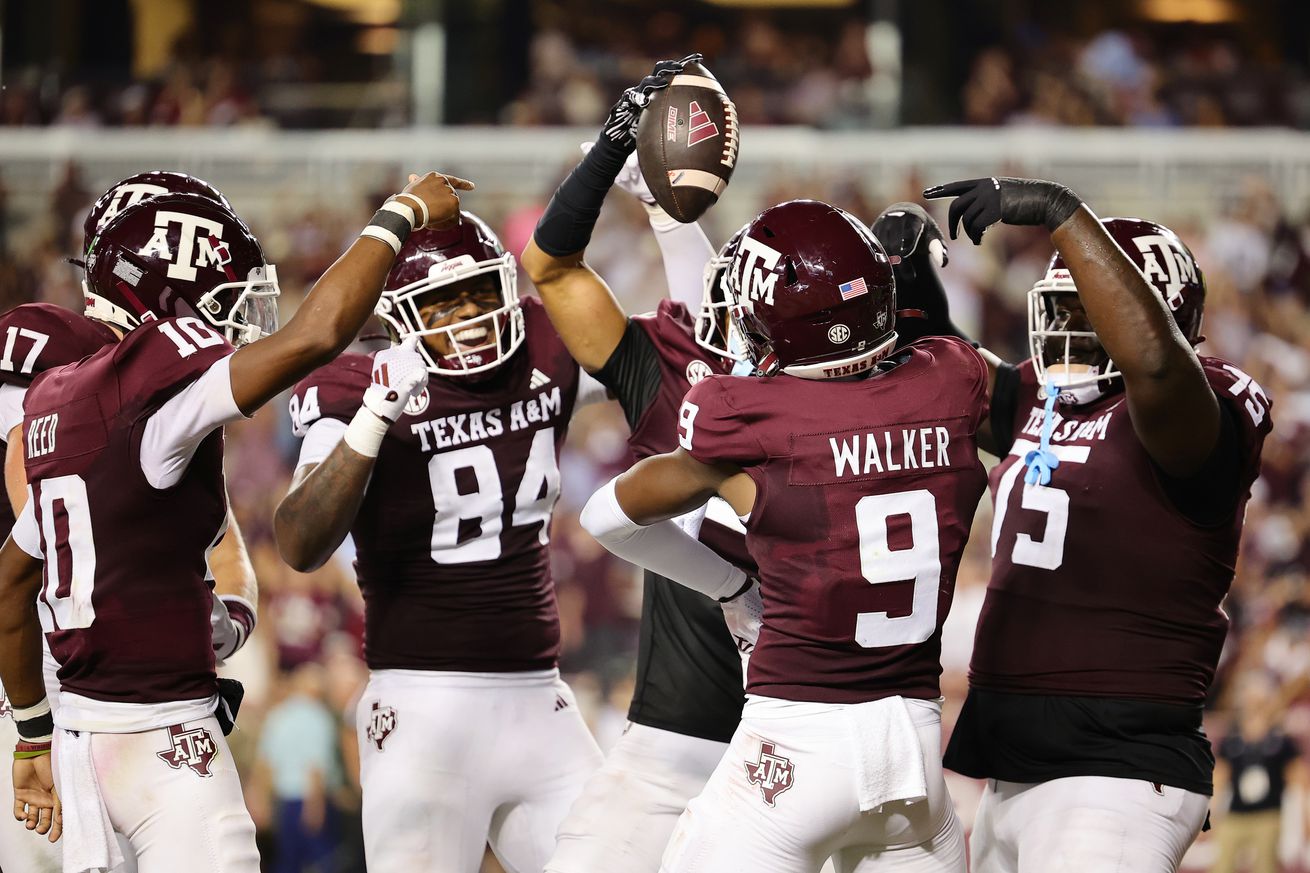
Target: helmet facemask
{"points": [[1074, 361], [253, 312], [717, 330], [472, 345]]}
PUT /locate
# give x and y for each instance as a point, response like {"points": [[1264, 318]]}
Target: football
{"points": [[687, 143]]}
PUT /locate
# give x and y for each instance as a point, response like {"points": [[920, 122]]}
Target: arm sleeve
{"points": [[685, 250], [11, 408], [321, 438], [1005, 401], [24, 532], [176, 429], [590, 390], [664, 548], [632, 373]]}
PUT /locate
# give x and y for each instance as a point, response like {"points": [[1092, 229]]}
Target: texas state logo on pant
{"points": [[190, 747], [773, 773], [381, 724]]}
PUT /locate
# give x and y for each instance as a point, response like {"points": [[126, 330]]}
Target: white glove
{"points": [[399, 373], [744, 614], [630, 178]]}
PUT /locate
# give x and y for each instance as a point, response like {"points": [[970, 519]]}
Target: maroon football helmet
{"points": [[134, 189], [1062, 355], [716, 331], [438, 265], [813, 292], [182, 254]]}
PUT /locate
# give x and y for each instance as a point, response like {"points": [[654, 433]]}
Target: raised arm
{"points": [[1174, 410], [339, 303], [580, 305], [325, 495]]}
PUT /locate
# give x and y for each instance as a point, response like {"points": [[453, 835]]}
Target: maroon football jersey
{"points": [[1100, 585], [683, 363], [36, 337], [451, 536], [125, 599], [865, 493]]}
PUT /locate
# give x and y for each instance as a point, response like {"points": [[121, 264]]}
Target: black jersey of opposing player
{"points": [[688, 670]]}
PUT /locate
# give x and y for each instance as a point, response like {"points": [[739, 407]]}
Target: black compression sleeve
{"points": [[1004, 403], [565, 227], [1209, 496], [632, 373]]}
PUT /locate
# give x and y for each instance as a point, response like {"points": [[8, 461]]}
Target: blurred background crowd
{"points": [[341, 63]]}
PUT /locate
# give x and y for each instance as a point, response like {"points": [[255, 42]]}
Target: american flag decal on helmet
{"points": [[853, 288]]}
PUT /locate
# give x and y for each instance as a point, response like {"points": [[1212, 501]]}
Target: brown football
{"points": [[687, 143]]}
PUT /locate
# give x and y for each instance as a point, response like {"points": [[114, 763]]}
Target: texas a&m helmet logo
{"points": [[123, 196], [199, 244], [381, 724], [772, 772], [758, 270], [192, 747], [1166, 265]]}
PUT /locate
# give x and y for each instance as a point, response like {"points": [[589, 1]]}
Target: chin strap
{"points": [[1041, 460]]}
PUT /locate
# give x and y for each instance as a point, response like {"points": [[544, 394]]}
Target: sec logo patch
{"points": [[419, 404], [698, 370], [838, 334]]}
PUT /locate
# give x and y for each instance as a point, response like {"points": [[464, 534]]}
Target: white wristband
{"points": [[421, 210], [36, 710], [365, 432]]}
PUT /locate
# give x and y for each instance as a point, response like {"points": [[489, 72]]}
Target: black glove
{"points": [[914, 243], [983, 202], [621, 123]]}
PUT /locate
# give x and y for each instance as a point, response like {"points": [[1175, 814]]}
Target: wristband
{"points": [[660, 221], [365, 432], [35, 723], [242, 613], [422, 208], [25, 751], [391, 224]]}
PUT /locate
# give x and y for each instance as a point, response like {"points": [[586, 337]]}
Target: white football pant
{"points": [[452, 761], [175, 795], [625, 814], [1084, 824], [787, 796]]}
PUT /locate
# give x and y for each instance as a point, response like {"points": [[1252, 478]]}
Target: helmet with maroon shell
{"points": [[433, 264], [716, 330], [813, 290], [134, 189], [1169, 268], [182, 255]]}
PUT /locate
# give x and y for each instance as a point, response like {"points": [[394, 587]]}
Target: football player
{"points": [[688, 695], [125, 501], [39, 337], [1126, 462], [449, 501], [856, 473]]}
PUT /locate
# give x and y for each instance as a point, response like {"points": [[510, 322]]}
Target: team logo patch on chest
{"points": [[193, 747], [772, 772], [381, 724], [698, 370]]}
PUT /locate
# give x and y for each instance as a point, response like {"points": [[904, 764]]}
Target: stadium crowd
{"points": [[303, 670]]}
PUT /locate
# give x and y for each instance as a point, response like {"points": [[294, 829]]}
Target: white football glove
{"points": [[399, 373], [744, 614], [630, 178]]}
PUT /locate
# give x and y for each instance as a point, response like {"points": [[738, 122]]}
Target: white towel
{"points": [[889, 758], [89, 842]]}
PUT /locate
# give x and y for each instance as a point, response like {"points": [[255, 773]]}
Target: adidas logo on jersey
{"points": [[560, 703], [538, 379]]}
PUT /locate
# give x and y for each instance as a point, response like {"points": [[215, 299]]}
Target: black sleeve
{"points": [[632, 373], [1004, 403], [1210, 495]]}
